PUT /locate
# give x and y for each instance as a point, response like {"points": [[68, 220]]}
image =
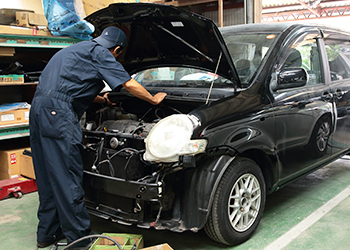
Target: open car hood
{"points": [[163, 35]]}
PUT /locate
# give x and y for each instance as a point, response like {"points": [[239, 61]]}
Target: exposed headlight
{"points": [[170, 138]]}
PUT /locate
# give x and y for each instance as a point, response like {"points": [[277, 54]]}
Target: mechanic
{"points": [[71, 80]]}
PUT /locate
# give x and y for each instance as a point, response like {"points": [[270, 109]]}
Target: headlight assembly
{"points": [[170, 138]]}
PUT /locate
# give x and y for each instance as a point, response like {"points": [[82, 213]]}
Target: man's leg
{"points": [[65, 173], [48, 228]]}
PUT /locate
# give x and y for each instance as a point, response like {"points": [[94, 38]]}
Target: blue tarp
{"points": [[63, 19]]}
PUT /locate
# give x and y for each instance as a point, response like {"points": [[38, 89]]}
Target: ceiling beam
{"points": [[305, 14], [316, 12]]}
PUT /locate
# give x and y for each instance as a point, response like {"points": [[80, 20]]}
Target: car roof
{"points": [[277, 27]]}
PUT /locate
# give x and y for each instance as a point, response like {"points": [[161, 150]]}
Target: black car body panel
{"points": [[273, 106]]}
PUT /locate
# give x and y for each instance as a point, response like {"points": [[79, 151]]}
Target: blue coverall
{"points": [[67, 86]]}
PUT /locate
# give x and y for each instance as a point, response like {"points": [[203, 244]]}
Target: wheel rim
{"points": [[322, 136], [244, 202]]}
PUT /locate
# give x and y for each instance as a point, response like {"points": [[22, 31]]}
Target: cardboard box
{"points": [[159, 247], [27, 19], [127, 241], [26, 166], [10, 161], [11, 79], [7, 51], [7, 174], [14, 117], [8, 16], [91, 6]]}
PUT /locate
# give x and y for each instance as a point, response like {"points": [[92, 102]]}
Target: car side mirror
{"points": [[291, 78]]}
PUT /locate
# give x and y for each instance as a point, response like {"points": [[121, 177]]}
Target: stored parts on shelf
{"points": [[11, 78], [14, 117], [8, 16], [7, 51], [27, 19]]}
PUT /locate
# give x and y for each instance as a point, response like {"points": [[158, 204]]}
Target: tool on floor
{"points": [[94, 236], [57, 244]]}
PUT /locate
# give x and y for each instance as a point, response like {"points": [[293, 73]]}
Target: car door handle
{"points": [[326, 96], [339, 94]]}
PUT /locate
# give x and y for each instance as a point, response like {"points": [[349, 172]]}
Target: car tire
{"points": [[240, 194], [318, 142]]}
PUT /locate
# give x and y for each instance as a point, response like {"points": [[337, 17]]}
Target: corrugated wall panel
{"points": [[231, 16]]}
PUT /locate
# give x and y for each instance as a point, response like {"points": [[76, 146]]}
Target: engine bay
{"points": [[114, 168], [119, 132]]}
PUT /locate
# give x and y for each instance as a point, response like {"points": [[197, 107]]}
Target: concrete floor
{"points": [[311, 213]]}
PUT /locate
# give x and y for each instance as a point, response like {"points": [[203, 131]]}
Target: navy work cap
{"points": [[111, 37]]}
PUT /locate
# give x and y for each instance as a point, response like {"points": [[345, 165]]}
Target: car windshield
{"points": [[181, 77], [247, 51]]}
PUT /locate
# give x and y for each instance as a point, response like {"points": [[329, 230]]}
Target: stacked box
{"points": [[10, 161], [164, 246], [17, 116], [26, 166], [27, 19]]}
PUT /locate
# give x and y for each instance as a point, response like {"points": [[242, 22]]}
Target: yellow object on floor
{"points": [[127, 241]]}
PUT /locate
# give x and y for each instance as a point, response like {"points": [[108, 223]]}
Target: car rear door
{"points": [[337, 47]]}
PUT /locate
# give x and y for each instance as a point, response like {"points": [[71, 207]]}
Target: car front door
{"points": [[302, 113]]}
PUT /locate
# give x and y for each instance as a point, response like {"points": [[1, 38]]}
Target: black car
{"points": [[250, 108]]}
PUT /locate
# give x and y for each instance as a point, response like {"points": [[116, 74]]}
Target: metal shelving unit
{"points": [[28, 42], [19, 84], [8, 40], [14, 131]]}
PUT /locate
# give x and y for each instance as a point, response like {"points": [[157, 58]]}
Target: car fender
{"points": [[203, 184]]}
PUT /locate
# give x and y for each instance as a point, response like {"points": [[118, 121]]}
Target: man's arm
{"points": [[136, 89]]}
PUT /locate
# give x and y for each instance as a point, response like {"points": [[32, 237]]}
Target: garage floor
{"points": [[311, 213]]}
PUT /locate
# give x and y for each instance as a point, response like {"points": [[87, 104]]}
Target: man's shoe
{"points": [[59, 236]]}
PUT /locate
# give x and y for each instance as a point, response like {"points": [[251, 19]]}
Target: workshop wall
{"points": [[90, 6], [34, 5]]}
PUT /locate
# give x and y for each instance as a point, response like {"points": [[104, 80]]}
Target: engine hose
{"points": [[93, 236]]}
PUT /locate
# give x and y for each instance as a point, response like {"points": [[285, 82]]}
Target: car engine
{"points": [[118, 182]]}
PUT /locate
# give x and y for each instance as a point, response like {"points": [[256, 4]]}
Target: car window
{"points": [[181, 77], [304, 53], [338, 50], [247, 52]]}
